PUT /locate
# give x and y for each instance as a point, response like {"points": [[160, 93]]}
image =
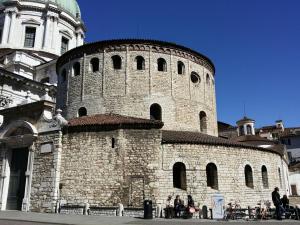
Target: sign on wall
{"points": [[218, 203], [47, 147]]}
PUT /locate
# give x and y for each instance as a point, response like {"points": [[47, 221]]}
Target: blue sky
{"points": [[255, 46]]}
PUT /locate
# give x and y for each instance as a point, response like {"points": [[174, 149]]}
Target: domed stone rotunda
{"points": [[132, 120], [142, 120], [140, 78]]}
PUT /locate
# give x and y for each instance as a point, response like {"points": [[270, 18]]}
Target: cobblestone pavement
{"points": [[21, 218]]}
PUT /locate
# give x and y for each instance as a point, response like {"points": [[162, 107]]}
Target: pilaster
{"points": [[47, 38], [6, 27], [56, 170], [12, 26], [54, 42], [3, 154], [28, 175]]}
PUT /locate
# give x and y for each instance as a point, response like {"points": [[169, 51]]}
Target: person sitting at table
{"points": [[178, 206], [190, 206], [169, 208]]}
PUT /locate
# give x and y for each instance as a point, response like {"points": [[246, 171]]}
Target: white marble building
{"points": [[33, 34]]}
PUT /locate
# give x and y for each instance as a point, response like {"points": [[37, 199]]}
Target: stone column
{"points": [[47, 37], [245, 129], [56, 171], [79, 37], [28, 174], [12, 26], [3, 196], [6, 27], [55, 34]]}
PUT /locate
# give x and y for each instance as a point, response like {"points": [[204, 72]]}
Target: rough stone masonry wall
{"points": [[230, 163], [131, 92], [93, 172], [44, 175], [142, 161]]}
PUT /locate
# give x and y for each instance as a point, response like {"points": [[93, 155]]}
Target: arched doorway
{"points": [[17, 178], [17, 166]]}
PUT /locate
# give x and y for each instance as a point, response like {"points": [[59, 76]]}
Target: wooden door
{"points": [[17, 179]]}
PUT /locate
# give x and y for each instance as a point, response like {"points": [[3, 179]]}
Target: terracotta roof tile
{"points": [[186, 137], [111, 121]]}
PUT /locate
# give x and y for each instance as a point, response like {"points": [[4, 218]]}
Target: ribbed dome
{"points": [[70, 6]]}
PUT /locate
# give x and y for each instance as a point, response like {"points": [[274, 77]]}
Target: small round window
{"points": [[195, 78]]}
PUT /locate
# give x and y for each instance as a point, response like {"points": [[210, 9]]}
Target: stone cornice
{"points": [[138, 45], [31, 83]]}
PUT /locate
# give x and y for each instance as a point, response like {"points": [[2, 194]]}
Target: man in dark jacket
{"points": [[277, 202]]}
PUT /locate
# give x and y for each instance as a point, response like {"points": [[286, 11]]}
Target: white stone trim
{"points": [[5, 179], [28, 174], [16, 124], [31, 22], [66, 34]]}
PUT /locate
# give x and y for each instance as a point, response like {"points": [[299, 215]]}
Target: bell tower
{"points": [[246, 126]]}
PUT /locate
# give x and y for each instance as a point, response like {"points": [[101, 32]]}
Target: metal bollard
{"points": [[211, 214]]}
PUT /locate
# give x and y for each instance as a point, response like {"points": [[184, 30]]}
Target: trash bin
{"points": [[148, 209]]}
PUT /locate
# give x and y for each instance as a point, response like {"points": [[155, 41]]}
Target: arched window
{"points": [[203, 122], [155, 112], [264, 175], [249, 129], [207, 79], [117, 62], [280, 178], [76, 69], [140, 63], [249, 176], [179, 176], [63, 75], [82, 112], [195, 78], [212, 176], [161, 65], [180, 68], [94, 65], [241, 130]]}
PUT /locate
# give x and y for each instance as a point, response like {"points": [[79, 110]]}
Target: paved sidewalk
{"points": [[40, 218]]}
